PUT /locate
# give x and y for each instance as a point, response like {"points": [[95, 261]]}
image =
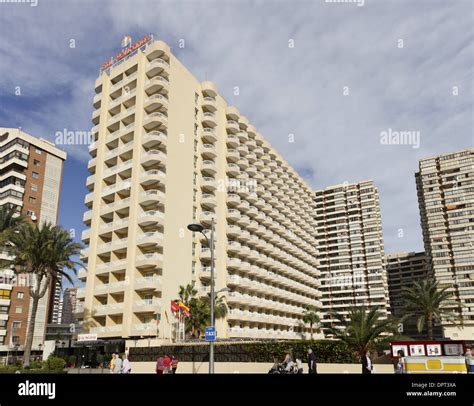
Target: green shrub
{"points": [[72, 360], [55, 363], [100, 360]]}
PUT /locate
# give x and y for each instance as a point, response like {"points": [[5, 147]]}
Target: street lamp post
{"points": [[200, 229]]}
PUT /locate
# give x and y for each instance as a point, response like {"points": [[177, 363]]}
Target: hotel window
{"points": [[3, 324], [5, 294], [34, 187], [16, 340], [16, 324], [148, 299], [3, 309], [35, 175], [36, 162], [20, 295], [18, 310], [38, 151], [32, 200]]}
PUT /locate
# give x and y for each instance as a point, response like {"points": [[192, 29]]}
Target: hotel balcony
{"points": [[147, 283], [152, 157], [233, 155], [208, 151], [81, 293], [153, 139], [233, 230], [149, 260], [232, 141], [243, 136], [233, 214], [206, 217], [147, 306], [150, 217], [113, 266], [156, 84], [154, 119], [156, 66], [232, 169], [209, 103], [152, 196], [205, 254], [154, 102], [209, 119], [209, 183], [209, 135], [115, 308], [209, 167], [150, 239], [208, 200], [232, 127], [152, 176]]}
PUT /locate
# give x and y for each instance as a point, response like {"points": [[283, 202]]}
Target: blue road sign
{"points": [[210, 334]]}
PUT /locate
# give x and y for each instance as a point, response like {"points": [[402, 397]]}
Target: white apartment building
{"points": [[445, 186], [169, 151], [351, 251]]}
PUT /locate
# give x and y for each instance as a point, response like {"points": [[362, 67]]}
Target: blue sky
{"points": [[353, 73]]}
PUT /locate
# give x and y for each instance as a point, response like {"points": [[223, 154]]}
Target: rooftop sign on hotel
{"points": [[128, 49]]}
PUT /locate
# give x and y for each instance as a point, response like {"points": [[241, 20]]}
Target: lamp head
{"points": [[195, 228]]}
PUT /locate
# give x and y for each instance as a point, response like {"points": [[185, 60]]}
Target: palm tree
{"points": [[363, 328], [9, 222], [46, 253], [428, 302], [188, 292], [311, 317]]}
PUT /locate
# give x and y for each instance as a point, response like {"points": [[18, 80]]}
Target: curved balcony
{"points": [[243, 163], [208, 183], [208, 167], [150, 239], [149, 260], [233, 231], [232, 155], [154, 102], [153, 139], [152, 176], [205, 218], [152, 196], [232, 141], [209, 119], [156, 66], [209, 88], [209, 135], [155, 119], [243, 137], [233, 214], [150, 217], [232, 169], [233, 247], [233, 199], [232, 127], [208, 200], [208, 151], [209, 103], [156, 84], [205, 254], [152, 157]]}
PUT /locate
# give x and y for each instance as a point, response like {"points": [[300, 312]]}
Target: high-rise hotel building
{"points": [[351, 251], [445, 187], [30, 181], [169, 151], [403, 270]]}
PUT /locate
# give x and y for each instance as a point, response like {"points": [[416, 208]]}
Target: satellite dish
{"points": [[33, 217]]}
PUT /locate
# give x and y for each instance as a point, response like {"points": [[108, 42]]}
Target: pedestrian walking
{"points": [[118, 365], [174, 364], [366, 362], [167, 364], [312, 366], [126, 367], [160, 366], [112, 363], [469, 361], [400, 363]]}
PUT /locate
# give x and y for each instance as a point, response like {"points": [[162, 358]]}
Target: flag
{"points": [[126, 41], [174, 307]]}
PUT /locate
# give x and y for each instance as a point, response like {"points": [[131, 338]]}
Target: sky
{"points": [[339, 79]]}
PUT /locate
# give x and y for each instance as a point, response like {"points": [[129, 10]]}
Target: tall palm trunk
{"points": [[429, 325], [36, 293], [311, 331]]}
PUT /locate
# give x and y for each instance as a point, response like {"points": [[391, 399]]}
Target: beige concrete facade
{"points": [[169, 151], [30, 175], [445, 186], [351, 251]]}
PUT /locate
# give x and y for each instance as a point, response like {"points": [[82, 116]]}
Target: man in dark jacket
{"points": [[312, 367], [366, 362]]}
